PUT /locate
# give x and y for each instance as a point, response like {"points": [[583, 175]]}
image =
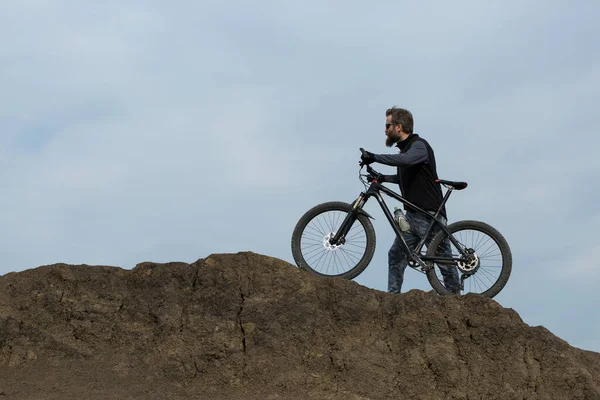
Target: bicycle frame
{"points": [[375, 190]]}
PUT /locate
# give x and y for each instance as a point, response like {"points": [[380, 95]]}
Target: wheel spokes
{"points": [[489, 256], [329, 259]]}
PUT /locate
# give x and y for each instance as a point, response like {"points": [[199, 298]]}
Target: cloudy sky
{"points": [[163, 131]]}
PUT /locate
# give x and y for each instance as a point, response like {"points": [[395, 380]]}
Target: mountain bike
{"points": [[337, 239]]}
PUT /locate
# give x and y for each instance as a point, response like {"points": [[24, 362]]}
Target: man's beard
{"points": [[391, 140]]}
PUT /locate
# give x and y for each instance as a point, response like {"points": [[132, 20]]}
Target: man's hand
{"points": [[366, 157]]}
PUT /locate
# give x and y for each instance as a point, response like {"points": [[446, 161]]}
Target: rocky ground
{"points": [[247, 326]]}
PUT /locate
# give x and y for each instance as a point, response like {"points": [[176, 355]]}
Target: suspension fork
{"points": [[340, 235]]}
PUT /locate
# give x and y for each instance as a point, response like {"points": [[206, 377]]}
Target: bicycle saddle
{"points": [[455, 185]]}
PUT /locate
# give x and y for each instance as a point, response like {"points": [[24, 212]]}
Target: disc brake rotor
{"points": [[471, 264], [327, 245]]}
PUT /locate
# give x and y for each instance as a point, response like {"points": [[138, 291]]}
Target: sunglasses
{"points": [[387, 126]]}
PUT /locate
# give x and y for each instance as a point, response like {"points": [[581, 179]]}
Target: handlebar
{"points": [[371, 171], [362, 153], [376, 175]]}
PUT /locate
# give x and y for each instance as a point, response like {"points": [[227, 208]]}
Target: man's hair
{"points": [[400, 116]]}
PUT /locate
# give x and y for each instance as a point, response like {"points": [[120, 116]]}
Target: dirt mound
{"points": [[246, 326]]}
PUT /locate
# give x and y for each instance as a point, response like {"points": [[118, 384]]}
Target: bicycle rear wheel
{"points": [[313, 252], [489, 267]]}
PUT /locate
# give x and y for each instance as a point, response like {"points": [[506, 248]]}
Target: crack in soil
{"points": [[239, 318]]}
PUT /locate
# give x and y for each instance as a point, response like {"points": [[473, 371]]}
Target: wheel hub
{"points": [[327, 244], [471, 264]]}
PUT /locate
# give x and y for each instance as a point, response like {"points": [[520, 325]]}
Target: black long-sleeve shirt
{"points": [[416, 173], [416, 154]]}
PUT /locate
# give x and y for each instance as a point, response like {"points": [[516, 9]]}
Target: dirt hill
{"points": [[247, 326]]}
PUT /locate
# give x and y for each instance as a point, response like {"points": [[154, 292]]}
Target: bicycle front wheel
{"points": [[313, 252], [487, 269]]}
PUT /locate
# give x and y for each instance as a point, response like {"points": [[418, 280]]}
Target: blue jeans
{"points": [[398, 260]]}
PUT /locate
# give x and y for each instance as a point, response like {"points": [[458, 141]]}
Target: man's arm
{"points": [[391, 178], [415, 155]]}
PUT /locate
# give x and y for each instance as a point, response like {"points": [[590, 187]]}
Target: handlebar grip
{"points": [[362, 152]]}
